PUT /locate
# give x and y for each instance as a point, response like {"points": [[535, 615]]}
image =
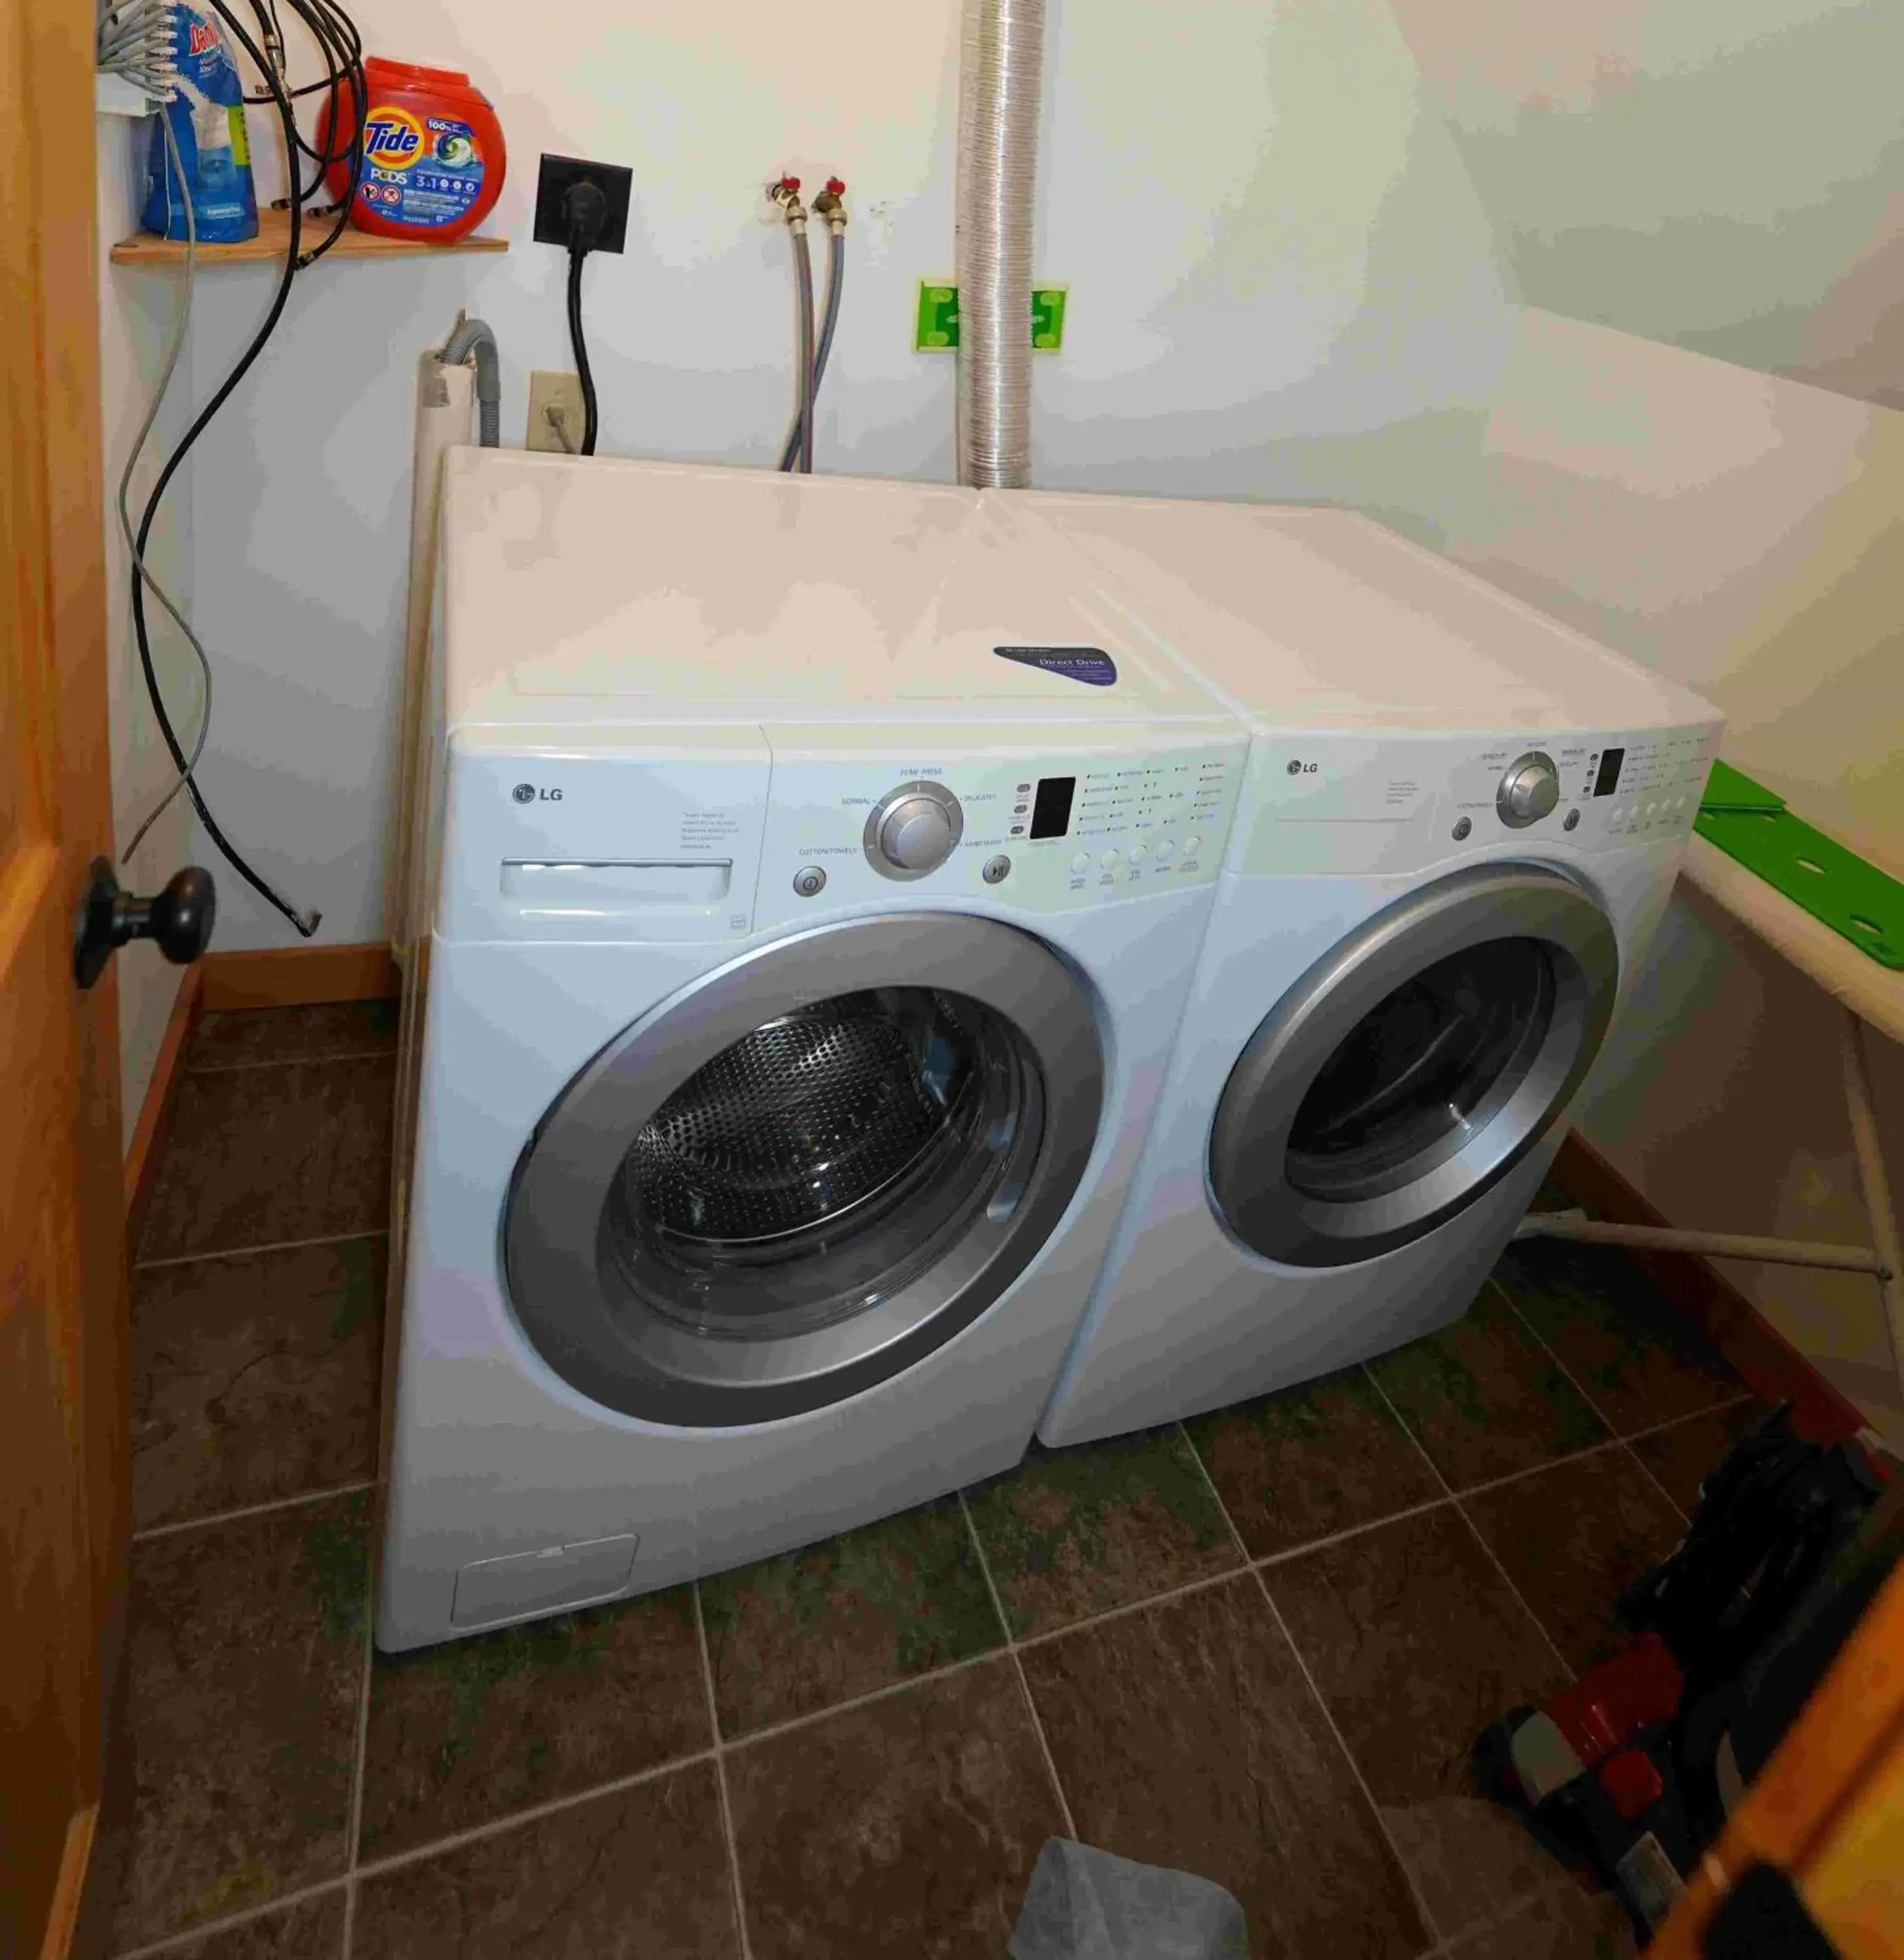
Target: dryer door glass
{"points": [[806, 1171], [1410, 1069], [1423, 1070]]}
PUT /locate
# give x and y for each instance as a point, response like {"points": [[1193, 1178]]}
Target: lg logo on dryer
{"points": [[1296, 768], [528, 792]]}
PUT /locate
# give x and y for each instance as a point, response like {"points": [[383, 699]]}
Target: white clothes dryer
{"points": [[785, 1008], [1460, 825]]}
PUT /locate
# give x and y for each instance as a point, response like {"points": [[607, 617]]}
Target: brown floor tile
{"points": [[634, 1873], [1572, 1538], [1417, 1643], [1682, 1456], [247, 1658], [1563, 1924], [796, 1634], [313, 1929], [465, 1732], [1484, 1399], [909, 1825], [238, 1037], [257, 1156], [1073, 1532], [1185, 1736], [254, 1376], [1641, 1361], [1311, 1461]]}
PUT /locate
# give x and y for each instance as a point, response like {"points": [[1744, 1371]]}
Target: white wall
{"points": [[1741, 533], [1280, 282], [134, 317]]}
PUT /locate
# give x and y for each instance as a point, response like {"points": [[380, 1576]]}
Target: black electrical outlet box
{"points": [[614, 181]]}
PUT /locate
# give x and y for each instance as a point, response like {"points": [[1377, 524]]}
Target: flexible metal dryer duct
{"points": [[1001, 70]]}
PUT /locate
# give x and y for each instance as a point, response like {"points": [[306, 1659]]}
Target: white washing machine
{"points": [[1460, 825], [792, 1002]]}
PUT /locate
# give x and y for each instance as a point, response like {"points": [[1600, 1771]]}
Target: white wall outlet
{"points": [[555, 412]]}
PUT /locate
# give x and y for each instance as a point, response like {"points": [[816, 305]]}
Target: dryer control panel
{"points": [[1350, 803], [1042, 829]]}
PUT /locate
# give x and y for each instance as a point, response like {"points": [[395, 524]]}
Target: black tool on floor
{"points": [[1633, 1769]]}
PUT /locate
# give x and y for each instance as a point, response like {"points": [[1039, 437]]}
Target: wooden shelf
{"points": [[274, 231]]}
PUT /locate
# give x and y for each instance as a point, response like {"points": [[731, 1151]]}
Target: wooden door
{"points": [[64, 1528]]}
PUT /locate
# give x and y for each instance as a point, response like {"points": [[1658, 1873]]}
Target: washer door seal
{"points": [[825, 1268], [1410, 1069]]}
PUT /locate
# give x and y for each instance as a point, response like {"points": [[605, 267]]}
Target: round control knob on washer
{"points": [[1529, 790], [912, 830]]}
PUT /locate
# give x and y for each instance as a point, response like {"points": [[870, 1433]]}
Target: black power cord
{"points": [[339, 42], [585, 211]]}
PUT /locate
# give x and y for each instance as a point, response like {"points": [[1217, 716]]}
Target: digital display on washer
{"points": [[1608, 780], [1051, 807]]}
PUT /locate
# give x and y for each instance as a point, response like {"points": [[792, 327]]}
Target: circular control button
{"points": [[1081, 863], [997, 870], [1572, 822], [912, 830], [810, 881], [1140, 854], [1528, 790], [1166, 850], [1107, 858], [1463, 830], [1193, 844]]}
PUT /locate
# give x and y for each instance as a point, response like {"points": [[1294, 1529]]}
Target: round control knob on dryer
{"points": [[913, 830], [1529, 790]]}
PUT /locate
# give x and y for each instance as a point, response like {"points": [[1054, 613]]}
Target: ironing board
{"points": [[1868, 995]]}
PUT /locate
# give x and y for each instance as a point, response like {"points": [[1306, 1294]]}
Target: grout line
{"points": [[252, 1510], [1315, 1692], [273, 1245], [1018, 1667], [1533, 1333], [720, 1776], [288, 1061], [356, 1826], [774, 1730], [1474, 1530], [191, 1936], [1272, 1558], [495, 1826]]}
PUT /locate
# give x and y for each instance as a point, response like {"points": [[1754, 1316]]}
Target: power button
{"points": [[810, 881]]}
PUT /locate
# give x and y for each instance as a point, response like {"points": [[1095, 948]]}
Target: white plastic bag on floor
{"points": [[1085, 1904]]}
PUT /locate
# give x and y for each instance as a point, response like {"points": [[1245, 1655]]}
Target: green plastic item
{"points": [[935, 325], [1858, 901]]}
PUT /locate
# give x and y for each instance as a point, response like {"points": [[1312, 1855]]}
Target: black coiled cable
{"points": [[340, 47]]}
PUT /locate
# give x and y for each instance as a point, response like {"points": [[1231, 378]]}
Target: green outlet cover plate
{"points": [[936, 330]]}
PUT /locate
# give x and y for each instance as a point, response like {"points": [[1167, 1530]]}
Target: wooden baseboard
{"points": [[141, 1167], [1767, 1363], [299, 976], [63, 1917]]}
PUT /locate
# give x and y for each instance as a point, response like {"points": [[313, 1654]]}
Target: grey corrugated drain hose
{"points": [[472, 336], [1001, 64]]}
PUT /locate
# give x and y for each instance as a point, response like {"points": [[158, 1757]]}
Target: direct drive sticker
{"points": [[1091, 665]]}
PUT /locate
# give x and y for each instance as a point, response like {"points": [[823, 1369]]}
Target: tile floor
{"points": [[1257, 1645]]}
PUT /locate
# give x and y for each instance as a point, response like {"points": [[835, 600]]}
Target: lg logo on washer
{"points": [[1297, 768], [528, 792]]}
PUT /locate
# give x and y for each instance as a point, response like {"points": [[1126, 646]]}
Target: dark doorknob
{"points": [[180, 919]]}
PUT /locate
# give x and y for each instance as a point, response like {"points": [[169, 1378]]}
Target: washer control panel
{"points": [[912, 830], [1530, 789], [1047, 831]]}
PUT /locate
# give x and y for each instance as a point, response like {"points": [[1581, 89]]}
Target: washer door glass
{"points": [[814, 1167], [1410, 1069], [806, 1171]]}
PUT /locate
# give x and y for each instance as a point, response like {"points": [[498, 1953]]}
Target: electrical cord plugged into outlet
{"points": [[582, 206]]}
